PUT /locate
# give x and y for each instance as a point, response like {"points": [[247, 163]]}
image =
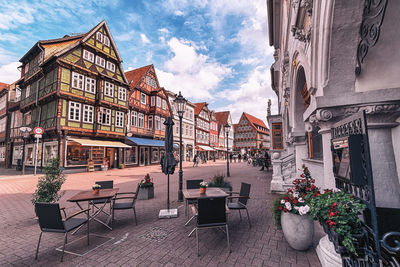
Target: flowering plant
{"points": [[203, 184], [305, 186], [146, 182], [96, 186], [339, 211]]}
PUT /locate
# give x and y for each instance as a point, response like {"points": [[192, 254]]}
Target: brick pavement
{"points": [[261, 245]]}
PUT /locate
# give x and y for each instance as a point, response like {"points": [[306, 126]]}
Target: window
{"points": [[141, 120], [90, 85], [131, 155], [150, 124], [152, 101], [106, 40], [3, 101], [164, 104], [3, 122], [77, 80], [151, 82], [88, 55], [314, 140], [105, 116], [162, 124], [50, 151], [121, 93], [143, 98], [134, 119], [119, 119], [110, 66], [74, 113], [88, 112], [108, 89], [99, 36], [157, 119], [100, 61], [26, 68], [158, 102]]}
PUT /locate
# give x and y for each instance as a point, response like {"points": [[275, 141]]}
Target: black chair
{"points": [[132, 196], [211, 213], [191, 184], [242, 197], [50, 220], [104, 185]]}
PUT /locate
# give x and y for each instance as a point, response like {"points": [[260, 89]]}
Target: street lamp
{"points": [[227, 128], [180, 104], [25, 134]]}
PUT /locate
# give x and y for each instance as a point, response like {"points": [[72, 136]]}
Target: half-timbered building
{"points": [[202, 123], [223, 118], [74, 87], [252, 135], [149, 108], [3, 122]]}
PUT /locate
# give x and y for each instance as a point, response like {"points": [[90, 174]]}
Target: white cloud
{"points": [[164, 30], [144, 38], [251, 96], [9, 72], [195, 74], [14, 14], [178, 13]]}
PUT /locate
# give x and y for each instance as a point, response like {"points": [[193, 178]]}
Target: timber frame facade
{"points": [[74, 88]]}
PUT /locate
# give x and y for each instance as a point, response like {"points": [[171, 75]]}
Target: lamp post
{"points": [[25, 134], [227, 128], [180, 104]]}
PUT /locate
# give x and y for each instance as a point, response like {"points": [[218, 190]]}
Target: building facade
{"points": [[3, 122], [223, 118], [74, 88], [149, 107], [252, 135], [328, 66], [202, 126], [188, 128], [214, 134]]}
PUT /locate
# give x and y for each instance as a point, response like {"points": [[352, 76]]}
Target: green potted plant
{"points": [[203, 187], [96, 189], [49, 186], [219, 181], [146, 190], [338, 214], [121, 166]]}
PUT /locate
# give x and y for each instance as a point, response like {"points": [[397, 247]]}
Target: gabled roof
{"points": [[136, 75], [256, 122], [3, 85], [222, 117], [198, 107]]}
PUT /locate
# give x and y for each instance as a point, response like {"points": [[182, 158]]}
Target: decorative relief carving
{"points": [[302, 28], [373, 14]]}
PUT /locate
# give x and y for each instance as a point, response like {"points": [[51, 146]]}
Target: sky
{"points": [[211, 50]]}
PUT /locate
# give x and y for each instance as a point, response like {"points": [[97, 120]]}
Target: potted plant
{"points": [[203, 186], [291, 212], [96, 189], [146, 190], [104, 166], [338, 213], [219, 181], [121, 166], [48, 186]]}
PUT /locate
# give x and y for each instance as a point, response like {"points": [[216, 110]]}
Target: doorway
{"points": [[111, 157], [144, 156]]}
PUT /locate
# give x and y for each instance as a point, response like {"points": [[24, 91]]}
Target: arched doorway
{"points": [[301, 99]]}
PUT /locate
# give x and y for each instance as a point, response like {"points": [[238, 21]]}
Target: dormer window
{"points": [[100, 61], [106, 40], [110, 66], [99, 37], [89, 56], [151, 82]]}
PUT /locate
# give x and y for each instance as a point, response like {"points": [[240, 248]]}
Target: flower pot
{"points": [[96, 191], [298, 230], [146, 193], [202, 190]]}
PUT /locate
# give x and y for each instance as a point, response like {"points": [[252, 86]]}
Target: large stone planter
{"points": [[146, 193], [298, 230]]}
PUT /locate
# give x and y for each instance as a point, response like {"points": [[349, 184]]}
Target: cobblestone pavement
{"points": [[153, 242]]}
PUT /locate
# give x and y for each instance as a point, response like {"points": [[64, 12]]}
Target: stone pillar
{"points": [[328, 178], [327, 254], [386, 181], [277, 177]]}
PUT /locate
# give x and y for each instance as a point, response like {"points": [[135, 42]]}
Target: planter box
{"points": [[146, 193]]}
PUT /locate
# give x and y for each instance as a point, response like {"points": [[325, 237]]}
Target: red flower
{"points": [[312, 180], [302, 175], [286, 199], [313, 187], [280, 208], [295, 201], [290, 190], [307, 189], [327, 191], [316, 194], [330, 223], [285, 210], [334, 205]]}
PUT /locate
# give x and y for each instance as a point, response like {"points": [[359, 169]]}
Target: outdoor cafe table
{"points": [[104, 194]]}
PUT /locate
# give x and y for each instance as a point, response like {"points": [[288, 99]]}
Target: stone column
{"points": [[277, 177], [329, 178]]}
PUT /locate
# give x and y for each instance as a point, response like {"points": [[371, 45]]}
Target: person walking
{"points": [[240, 157], [196, 160], [230, 157]]}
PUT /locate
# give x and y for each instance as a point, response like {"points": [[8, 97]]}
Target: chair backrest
{"points": [[193, 184], [49, 215], [211, 211], [106, 184], [136, 195], [244, 191]]}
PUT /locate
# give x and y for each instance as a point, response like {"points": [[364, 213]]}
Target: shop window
{"points": [[141, 120], [131, 155], [154, 155], [119, 119], [89, 56], [121, 93], [50, 152], [105, 116], [77, 154], [77, 80], [314, 143], [74, 113], [108, 89], [90, 85], [17, 154], [2, 153], [88, 113], [134, 119]]}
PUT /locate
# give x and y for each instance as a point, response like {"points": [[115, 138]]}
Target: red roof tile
{"points": [[256, 122], [222, 117], [136, 75], [198, 107], [3, 85]]}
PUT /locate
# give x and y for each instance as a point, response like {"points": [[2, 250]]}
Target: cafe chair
{"points": [[211, 213], [191, 184], [104, 185], [242, 198], [50, 220], [116, 205]]}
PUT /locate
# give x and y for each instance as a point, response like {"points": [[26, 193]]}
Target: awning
{"points": [[90, 142], [205, 148], [146, 141]]}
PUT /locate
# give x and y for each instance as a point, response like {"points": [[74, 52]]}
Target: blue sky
{"points": [[215, 51]]}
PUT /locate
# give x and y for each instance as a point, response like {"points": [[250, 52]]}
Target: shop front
{"points": [[80, 152], [206, 151], [144, 151]]}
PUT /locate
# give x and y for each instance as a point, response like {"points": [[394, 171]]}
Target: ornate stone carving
{"points": [[323, 115], [307, 4], [373, 14], [269, 107]]}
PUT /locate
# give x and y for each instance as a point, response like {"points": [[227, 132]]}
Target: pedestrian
{"points": [[267, 160], [195, 160], [230, 157], [240, 157]]}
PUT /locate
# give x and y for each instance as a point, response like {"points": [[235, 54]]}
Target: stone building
{"points": [[188, 127], [333, 59]]}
